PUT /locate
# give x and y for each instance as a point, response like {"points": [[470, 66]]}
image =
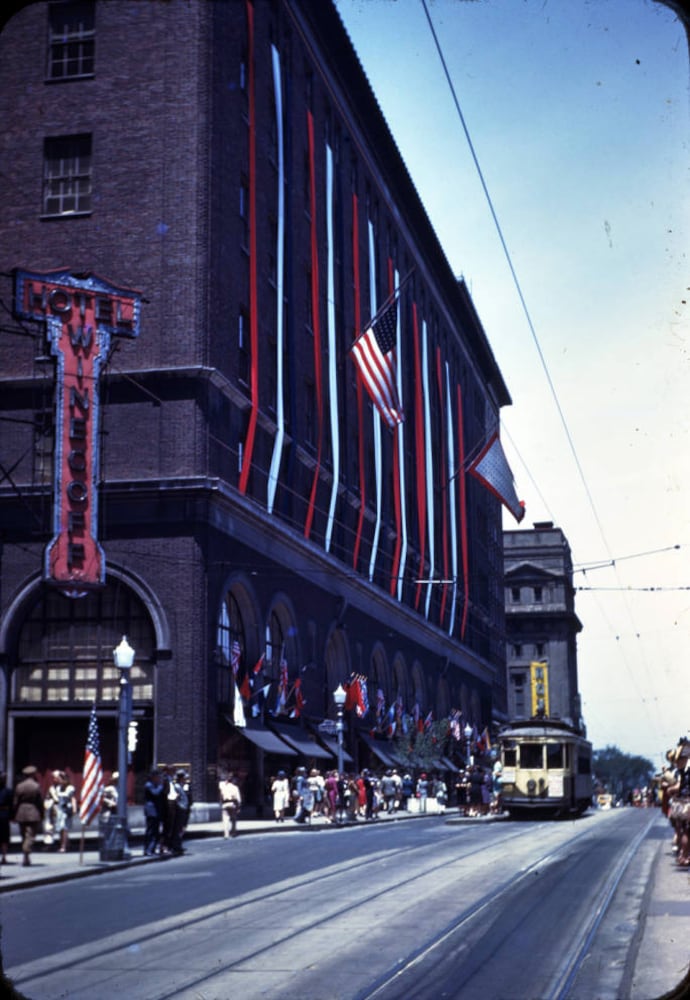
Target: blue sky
{"points": [[579, 115]]}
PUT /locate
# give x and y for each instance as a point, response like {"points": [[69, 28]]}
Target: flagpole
{"points": [[387, 302]]}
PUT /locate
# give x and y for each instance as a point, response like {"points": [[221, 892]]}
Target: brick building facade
{"points": [[225, 168]]}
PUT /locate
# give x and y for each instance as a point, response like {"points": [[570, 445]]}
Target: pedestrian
{"points": [[370, 793], [407, 791], [109, 797], [497, 788], [422, 791], [280, 789], [331, 792], [27, 809], [476, 778], [487, 791], [230, 803], [181, 801], [441, 794], [169, 810], [5, 816], [64, 797], [299, 785], [154, 811], [317, 785], [388, 790]]}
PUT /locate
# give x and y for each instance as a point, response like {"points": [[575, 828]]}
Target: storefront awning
{"points": [[378, 750], [333, 747], [265, 739], [300, 742]]}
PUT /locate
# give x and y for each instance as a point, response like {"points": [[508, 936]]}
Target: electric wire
{"points": [[532, 330]]}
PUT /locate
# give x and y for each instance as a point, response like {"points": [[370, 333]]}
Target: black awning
{"points": [[265, 739], [300, 742], [333, 747], [378, 750]]}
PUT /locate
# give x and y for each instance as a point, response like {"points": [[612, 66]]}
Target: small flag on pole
{"points": [[374, 353], [92, 783]]}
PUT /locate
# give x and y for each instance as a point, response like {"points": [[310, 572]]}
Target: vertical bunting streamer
{"points": [[360, 386], [274, 470], [316, 324], [378, 458], [332, 380], [463, 515], [248, 449], [419, 453], [400, 552], [444, 484], [452, 501], [428, 459]]}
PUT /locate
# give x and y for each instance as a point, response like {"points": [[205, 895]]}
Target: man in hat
{"points": [[27, 809]]}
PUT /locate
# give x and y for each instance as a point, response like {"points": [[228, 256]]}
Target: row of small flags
{"points": [[356, 699], [390, 720]]}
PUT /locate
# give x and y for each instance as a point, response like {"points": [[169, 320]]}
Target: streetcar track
{"points": [[23, 974], [175, 924], [570, 967]]}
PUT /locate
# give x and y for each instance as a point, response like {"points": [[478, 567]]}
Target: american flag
{"points": [[92, 782], [235, 656], [374, 353]]}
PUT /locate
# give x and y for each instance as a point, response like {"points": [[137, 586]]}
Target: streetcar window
{"points": [[510, 757], [554, 755], [583, 764], [531, 755]]}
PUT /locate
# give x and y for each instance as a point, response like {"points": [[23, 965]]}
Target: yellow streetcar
{"points": [[547, 763]]}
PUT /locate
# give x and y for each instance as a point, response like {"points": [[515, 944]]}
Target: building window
{"points": [[71, 40], [243, 348], [244, 215], [67, 175], [538, 595], [515, 595], [539, 650], [517, 649], [519, 694]]}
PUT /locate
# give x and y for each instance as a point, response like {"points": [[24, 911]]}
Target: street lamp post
{"points": [[339, 697], [468, 736], [123, 655]]}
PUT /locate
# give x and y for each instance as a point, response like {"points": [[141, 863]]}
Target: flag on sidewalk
{"points": [[491, 468], [92, 782], [374, 353]]}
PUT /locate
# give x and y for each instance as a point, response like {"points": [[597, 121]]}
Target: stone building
{"points": [[541, 622]]}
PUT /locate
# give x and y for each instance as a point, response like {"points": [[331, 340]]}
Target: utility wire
{"points": [[514, 276], [528, 317]]}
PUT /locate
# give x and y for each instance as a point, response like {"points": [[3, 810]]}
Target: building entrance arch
{"points": [[60, 663]]}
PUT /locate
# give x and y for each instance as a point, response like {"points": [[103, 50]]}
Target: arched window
{"points": [[65, 648]]}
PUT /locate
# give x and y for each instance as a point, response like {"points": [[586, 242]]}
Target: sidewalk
{"points": [[49, 866]]}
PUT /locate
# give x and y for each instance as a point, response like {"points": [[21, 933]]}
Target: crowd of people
{"points": [[338, 797], [674, 785], [333, 796]]}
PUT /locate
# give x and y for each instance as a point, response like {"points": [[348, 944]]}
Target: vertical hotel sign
{"points": [[82, 313]]}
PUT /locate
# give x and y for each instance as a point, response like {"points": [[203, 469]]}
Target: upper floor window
{"points": [[67, 175], [71, 40], [538, 595], [515, 595]]}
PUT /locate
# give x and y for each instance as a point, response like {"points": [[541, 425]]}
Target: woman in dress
{"points": [[281, 796]]}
